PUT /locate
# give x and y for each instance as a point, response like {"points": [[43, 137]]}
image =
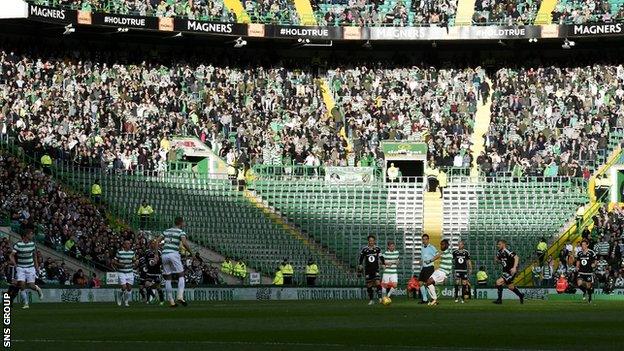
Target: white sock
{"points": [[127, 296], [423, 292], [181, 288], [169, 290], [432, 292], [24, 296], [390, 292]]}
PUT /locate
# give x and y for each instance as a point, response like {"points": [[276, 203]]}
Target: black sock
{"points": [[388, 290], [150, 293], [590, 291], [500, 292], [161, 295], [456, 290], [582, 288], [13, 291], [370, 292], [142, 292], [379, 292], [516, 291]]}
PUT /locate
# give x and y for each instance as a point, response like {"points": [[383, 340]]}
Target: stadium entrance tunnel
{"points": [[410, 170]]}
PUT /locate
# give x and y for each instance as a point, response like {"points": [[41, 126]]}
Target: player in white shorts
{"points": [[440, 274], [390, 277], [26, 264], [172, 262], [125, 261]]}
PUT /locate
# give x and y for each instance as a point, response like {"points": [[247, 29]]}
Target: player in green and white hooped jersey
{"points": [[172, 262], [24, 259], [390, 279], [125, 261], [444, 269]]}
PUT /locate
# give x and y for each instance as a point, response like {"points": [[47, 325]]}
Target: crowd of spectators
{"points": [[396, 13], [586, 11], [409, 103], [552, 121], [505, 12], [101, 110]]}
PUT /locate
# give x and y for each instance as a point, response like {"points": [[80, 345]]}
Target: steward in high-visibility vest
{"points": [[482, 277], [96, 192], [227, 267], [279, 278], [240, 269], [312, 272], [145, 212], [46, 163], [287, 272]]}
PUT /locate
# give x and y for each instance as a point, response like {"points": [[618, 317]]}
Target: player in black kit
{"points": [[371, 257], [509, 260], [585, 264], [462, 265], [150, 273]]}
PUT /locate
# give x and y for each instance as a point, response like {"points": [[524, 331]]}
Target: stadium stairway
{"points": [[330, 104], [544, 14], [236, 6], [70, 262], [328, 97], [433, 217], [481, 126], [305, 12], [573, 232], [465, 11], [295, 232]]}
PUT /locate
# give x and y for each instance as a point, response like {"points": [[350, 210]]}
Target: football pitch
{"points": [[321, 325]]}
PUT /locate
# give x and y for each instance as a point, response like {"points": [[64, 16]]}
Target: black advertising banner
{"points": [[124, 21], [184, 25], [597, 29], [51, 14], [310, 32], [493, 32]]}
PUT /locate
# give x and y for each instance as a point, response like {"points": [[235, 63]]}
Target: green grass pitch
{"points": [[321, 325]]}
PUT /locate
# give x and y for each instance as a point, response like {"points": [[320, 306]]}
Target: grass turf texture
{"points": [[321, 325]]}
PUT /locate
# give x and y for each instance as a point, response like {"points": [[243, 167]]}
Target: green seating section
{"points": [[339, 217], [218, 217], [519, 212]]}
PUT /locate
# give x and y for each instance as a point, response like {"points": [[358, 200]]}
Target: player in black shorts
{"points": [[13, 289], [369, 262], [509, 260], [462, 265], [150, 271], [585, 265]]}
